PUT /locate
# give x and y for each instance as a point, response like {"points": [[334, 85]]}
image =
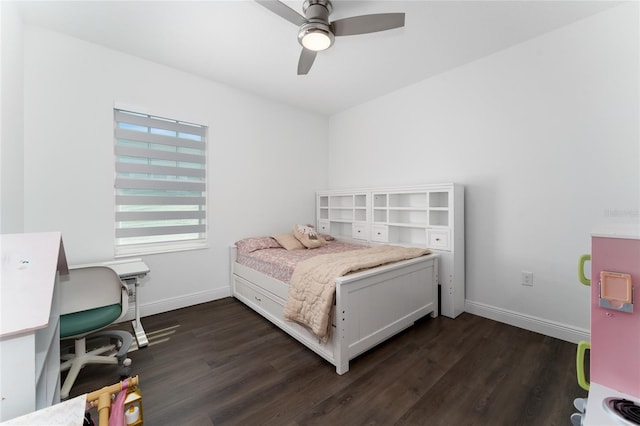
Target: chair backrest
{"points": [[89, 288]]}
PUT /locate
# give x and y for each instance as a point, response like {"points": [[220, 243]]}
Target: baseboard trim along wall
{"points": [[516, 319], [528, 322], [183, 301]]}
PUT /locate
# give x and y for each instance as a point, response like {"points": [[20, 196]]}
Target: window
{"points": [[160, 184]]}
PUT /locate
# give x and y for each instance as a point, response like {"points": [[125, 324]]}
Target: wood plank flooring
{"points": [[225, 365]]}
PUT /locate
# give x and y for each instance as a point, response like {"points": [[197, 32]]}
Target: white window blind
{"points": [[160, 184]]}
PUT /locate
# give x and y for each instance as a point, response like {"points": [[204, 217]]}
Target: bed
{"points": [[370, 305]]}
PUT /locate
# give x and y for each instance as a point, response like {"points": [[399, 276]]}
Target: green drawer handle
{"points": [[582, 348], [584, 258]]}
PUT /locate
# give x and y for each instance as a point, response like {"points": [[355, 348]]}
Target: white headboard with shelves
{"points": [[429, 216]]}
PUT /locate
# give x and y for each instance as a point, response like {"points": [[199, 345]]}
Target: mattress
{"points": [[280, 263]]}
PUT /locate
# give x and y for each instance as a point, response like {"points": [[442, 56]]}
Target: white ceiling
{"points": [[244, 45]]}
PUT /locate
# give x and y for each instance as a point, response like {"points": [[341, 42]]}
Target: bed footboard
{"points": [[371, 306]]}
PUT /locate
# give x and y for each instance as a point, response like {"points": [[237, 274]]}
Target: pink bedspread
{"points": [[279, 263]]}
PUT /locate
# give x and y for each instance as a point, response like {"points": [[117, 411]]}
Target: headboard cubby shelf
{"points": [[429, 216]]}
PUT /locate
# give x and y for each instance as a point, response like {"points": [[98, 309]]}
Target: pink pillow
{"points": [[248, 245]]}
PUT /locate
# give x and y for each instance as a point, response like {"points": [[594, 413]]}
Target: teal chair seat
{"points": [[85, 321], [92, 298]]}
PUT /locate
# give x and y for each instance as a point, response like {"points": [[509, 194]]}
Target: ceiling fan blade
{"points": [[364, 24], [306, 60], [283, 11]]}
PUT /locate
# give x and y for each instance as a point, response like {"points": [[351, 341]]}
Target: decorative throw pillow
{"points": [[288, 241], [307, 236], [325, 237], [248, 245]]}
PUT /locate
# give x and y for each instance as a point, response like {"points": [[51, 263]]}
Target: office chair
{"points": [[92, 298]]}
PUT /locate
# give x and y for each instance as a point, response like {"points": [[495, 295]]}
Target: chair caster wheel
{"points": [[124, 371]]}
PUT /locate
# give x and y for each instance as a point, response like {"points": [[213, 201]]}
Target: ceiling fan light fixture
{"points": [[316, 32], [315, 37]]}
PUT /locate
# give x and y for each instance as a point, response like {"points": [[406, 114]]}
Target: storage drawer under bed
{"points": [[251, 294], [265, 301], [272, 308]]}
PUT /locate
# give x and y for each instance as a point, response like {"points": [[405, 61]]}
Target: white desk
{"points": [[69, 412], [29, 319], [129, 271]]}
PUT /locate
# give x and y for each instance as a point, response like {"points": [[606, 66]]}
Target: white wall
{"points": [[257, 184], [11, 121], [545, 137]]}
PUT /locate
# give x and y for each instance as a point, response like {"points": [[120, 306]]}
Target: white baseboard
{"points": [[166, 305], [528, 322], [516, 319]]}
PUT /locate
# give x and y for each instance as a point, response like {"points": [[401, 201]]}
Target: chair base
{"points": [[75, 362]]}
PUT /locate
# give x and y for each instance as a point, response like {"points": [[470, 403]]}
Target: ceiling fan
{"points": [[317, 33]]}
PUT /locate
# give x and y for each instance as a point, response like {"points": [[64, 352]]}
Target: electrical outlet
{"points": [[527, 278]]}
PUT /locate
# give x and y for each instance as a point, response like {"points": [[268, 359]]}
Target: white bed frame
{"points": [[371, 305]]}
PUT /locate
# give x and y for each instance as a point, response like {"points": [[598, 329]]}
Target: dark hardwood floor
{"points": [[224, 364]]}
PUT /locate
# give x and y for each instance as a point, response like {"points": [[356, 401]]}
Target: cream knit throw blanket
{"points": [[313, 286]]}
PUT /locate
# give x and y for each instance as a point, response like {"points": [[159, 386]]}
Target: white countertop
{"points": [[618, 230], [595, 413], [29, 266]]}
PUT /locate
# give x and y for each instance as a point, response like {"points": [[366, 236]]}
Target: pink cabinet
{"points": [[615, 323]]}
